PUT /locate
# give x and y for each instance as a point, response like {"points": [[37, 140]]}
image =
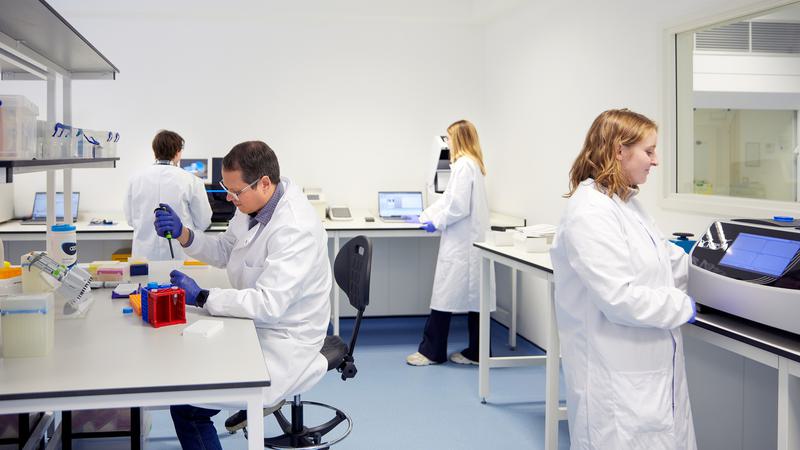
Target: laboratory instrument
{"points": [[750, 271], [167, 235], [339, 213], [72, 284], [317, 200], [440, 175], [682, 240]]}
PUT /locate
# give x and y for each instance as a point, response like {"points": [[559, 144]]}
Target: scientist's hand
{"points": [[167, 221], [428, 226], [185, 282], [694, 311]]}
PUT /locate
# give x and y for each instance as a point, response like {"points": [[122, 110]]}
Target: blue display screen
{"points": [[197, 167], [760, 254]]}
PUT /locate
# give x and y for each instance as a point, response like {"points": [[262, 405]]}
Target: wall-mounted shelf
{"points": [[16, 166], [35, 39]]}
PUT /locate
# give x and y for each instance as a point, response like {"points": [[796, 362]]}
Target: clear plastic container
{"points": [[55, 140], [27, 323], [33, 280], [104, 143], [83, 143], [17, 127], [10, 280], [109, 146]]}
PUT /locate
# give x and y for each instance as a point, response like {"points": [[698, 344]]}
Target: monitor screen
{"points": [[216, 170], [40, 205], [760, 254], [392, 204], [221, 209], [197, 167]]}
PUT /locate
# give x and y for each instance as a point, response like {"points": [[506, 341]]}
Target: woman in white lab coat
{"points": [[620, 294], [462, 215], [164, 182], [275, 251]]}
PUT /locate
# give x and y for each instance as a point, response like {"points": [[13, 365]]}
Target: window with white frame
{"points": [[737, 88]]}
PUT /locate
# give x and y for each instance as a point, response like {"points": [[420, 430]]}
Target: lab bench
{"points": [[151, 366], [404, 257], [775, 350]]}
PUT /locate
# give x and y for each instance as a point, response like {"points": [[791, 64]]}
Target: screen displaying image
{"points": [[760, 254], [197, 167], [392, 204], [40, 205]]}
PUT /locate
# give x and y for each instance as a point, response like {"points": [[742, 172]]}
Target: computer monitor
{"points": [[197, 167], [216, 170], [221, 209], [40, 206], [399, 205]]}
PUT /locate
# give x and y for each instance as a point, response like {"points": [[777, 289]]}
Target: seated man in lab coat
{"points": [[276, 254]]}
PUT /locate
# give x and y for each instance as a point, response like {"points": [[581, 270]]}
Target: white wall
{"points": [[349, 96], [551, 68]]}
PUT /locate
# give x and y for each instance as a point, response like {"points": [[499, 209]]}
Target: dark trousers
{"points": [[194, 427], [434, 337]]}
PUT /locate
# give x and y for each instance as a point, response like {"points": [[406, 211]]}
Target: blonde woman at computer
{"points": [[462, 215], [164, 182]]}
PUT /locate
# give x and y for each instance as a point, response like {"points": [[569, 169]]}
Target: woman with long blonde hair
{"points": [[462, 215], [620, 295]]}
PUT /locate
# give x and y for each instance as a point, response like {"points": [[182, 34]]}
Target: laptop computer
{"points": [[39, 214], [399, 206]]}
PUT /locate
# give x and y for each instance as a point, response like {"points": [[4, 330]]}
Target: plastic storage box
{"points": [[10, 280], [83, 143], [108, 146], [27, 323], [502, 238], [55, 140], [17, 127]]}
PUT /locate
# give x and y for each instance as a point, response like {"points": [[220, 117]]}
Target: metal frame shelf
{"points": [[37, 43], [17, 166]]}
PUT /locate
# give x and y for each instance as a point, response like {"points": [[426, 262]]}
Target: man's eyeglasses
{"points": [[236, 195]]}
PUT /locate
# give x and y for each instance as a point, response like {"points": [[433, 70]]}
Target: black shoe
{"points": [[238, 420]]}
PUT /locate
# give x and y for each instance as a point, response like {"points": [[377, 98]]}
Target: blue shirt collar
{"points": [[265, 215]]}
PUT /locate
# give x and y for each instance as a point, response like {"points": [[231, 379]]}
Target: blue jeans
{"points": [[194, 427]]}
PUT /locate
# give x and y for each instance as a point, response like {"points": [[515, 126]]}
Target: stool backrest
{"points": [[352, 270]]}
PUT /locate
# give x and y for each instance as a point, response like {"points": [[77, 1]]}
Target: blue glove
{"points": [[428, 226], [167, 221], [694, 311], [185, 282]]}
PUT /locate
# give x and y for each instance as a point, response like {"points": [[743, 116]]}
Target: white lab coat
{"points": [[181, 190], [620, 294], [462, 214], [281, 279]]}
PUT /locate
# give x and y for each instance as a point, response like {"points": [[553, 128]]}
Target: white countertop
{"points": [[109, 352], [15, 227], [537, 259]]}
